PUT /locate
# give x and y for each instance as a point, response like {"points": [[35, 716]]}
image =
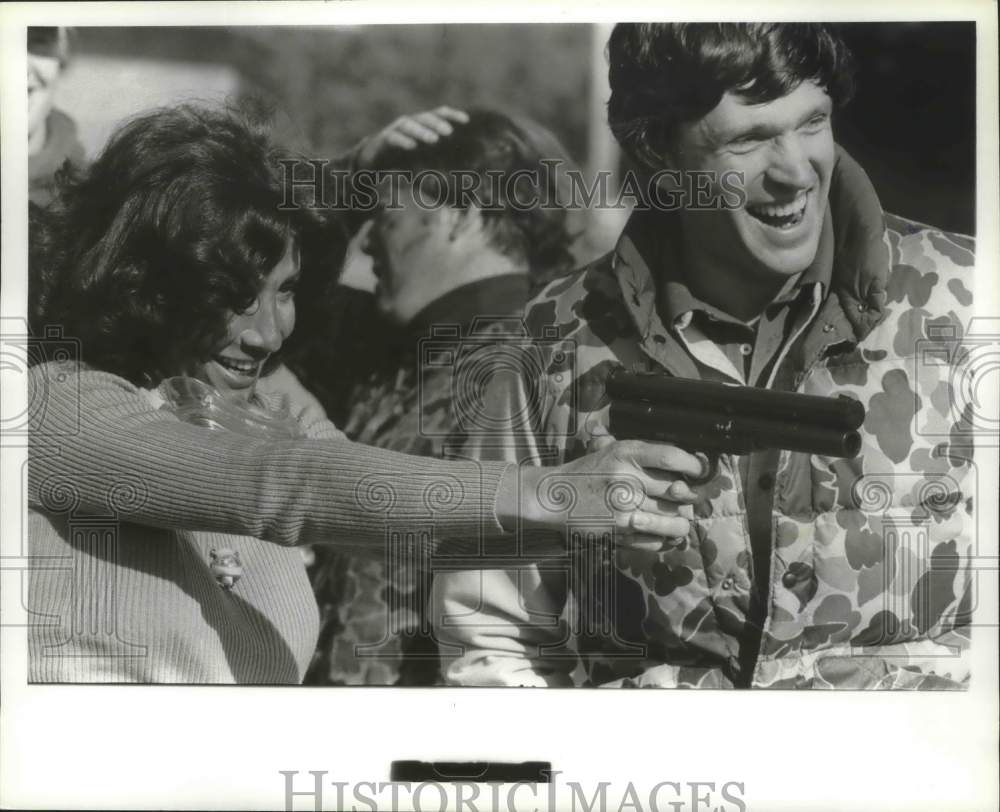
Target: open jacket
{"points": [[870, 558]]}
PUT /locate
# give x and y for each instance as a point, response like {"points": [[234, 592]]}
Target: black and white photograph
{"points": [[353, 363]]}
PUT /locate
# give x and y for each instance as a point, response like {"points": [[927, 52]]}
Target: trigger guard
{"points": [[710, 468]]}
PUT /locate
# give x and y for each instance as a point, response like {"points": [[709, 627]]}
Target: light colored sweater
{"points": [[126, 504]]}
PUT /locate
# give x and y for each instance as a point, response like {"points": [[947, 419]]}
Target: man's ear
{"points": [[462, 221], [437, 220], [662, 166], [670, 158], [654, 150]]}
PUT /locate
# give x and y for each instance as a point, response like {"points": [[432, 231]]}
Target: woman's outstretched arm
{"points": [[98, 443]]}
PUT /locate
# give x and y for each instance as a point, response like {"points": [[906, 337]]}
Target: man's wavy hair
{"points": [[665, 74], [145, 255], [492, 141]]}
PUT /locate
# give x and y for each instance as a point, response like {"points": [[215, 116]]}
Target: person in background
{"points": [[349, 333], [459, 272], [800, 571], [52, 135]]}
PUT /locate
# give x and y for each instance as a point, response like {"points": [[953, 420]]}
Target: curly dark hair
{"points": [[492, 141], [145, 255], [665, 74]]}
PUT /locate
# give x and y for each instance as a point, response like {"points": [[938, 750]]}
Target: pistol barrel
{"points": [[839, 413], [723, 432]]}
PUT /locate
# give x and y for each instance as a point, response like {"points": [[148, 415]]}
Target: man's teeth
{"points": [[788, 214], [782, 211], [242, 367]]}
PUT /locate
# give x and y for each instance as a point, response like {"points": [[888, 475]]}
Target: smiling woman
{"points": [[176, 488], [258, 332], [170, 262], [173, 230]]}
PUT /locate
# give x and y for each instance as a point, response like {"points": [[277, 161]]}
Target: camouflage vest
{"points": [[870, 564]]}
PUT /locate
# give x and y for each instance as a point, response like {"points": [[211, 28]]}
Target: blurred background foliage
{"points": [[344, 84], [332, 86], [911, 124]]}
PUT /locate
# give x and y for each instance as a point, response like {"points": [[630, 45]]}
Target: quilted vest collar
{"points": [[861, 250]]}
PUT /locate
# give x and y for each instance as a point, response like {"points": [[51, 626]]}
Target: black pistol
{"points": [[717, 418]]}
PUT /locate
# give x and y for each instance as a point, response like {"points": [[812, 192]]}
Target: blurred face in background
{"points": [[413, 251], [48, 50]]}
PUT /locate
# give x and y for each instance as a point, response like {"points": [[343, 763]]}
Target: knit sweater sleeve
{"points": [[98, 445]]}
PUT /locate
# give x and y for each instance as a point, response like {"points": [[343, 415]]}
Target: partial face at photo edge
{"points": [[785, 151], [43, 73], [257, 333]]}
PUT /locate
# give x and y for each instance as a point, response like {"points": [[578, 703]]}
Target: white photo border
{"points": [[156, 747]]}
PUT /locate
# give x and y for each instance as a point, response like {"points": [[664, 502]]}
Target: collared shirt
{"points": [[733, 351], [726, 349]]}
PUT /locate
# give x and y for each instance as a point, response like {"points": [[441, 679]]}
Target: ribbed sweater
{"points": [[126, 503]]}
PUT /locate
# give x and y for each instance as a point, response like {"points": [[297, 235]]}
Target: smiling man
{"points": [[784, 151], [793, 574]]}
